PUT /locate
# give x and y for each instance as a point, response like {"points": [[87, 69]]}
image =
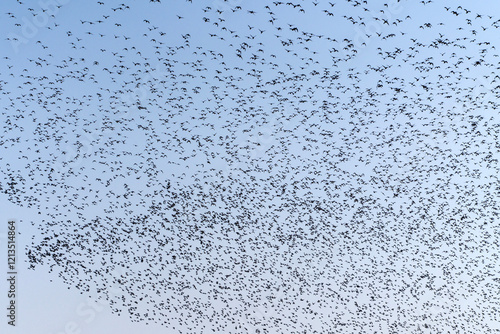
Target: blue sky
{"points": [[266, 165]]}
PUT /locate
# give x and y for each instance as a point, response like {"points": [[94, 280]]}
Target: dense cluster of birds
{"points": [[260, 167]]}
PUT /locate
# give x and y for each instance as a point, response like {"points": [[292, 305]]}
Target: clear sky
{"points": [[241, 166]]}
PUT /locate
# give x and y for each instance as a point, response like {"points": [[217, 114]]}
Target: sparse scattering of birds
{"points": [[261, 167]]}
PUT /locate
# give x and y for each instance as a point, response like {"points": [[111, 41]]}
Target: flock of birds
{"points": [[261, 167]]}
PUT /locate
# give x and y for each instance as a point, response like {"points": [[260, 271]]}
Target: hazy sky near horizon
{"points": [[236, 166]]}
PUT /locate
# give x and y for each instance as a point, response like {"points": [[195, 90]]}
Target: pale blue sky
{"points": [[198, 127]]}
